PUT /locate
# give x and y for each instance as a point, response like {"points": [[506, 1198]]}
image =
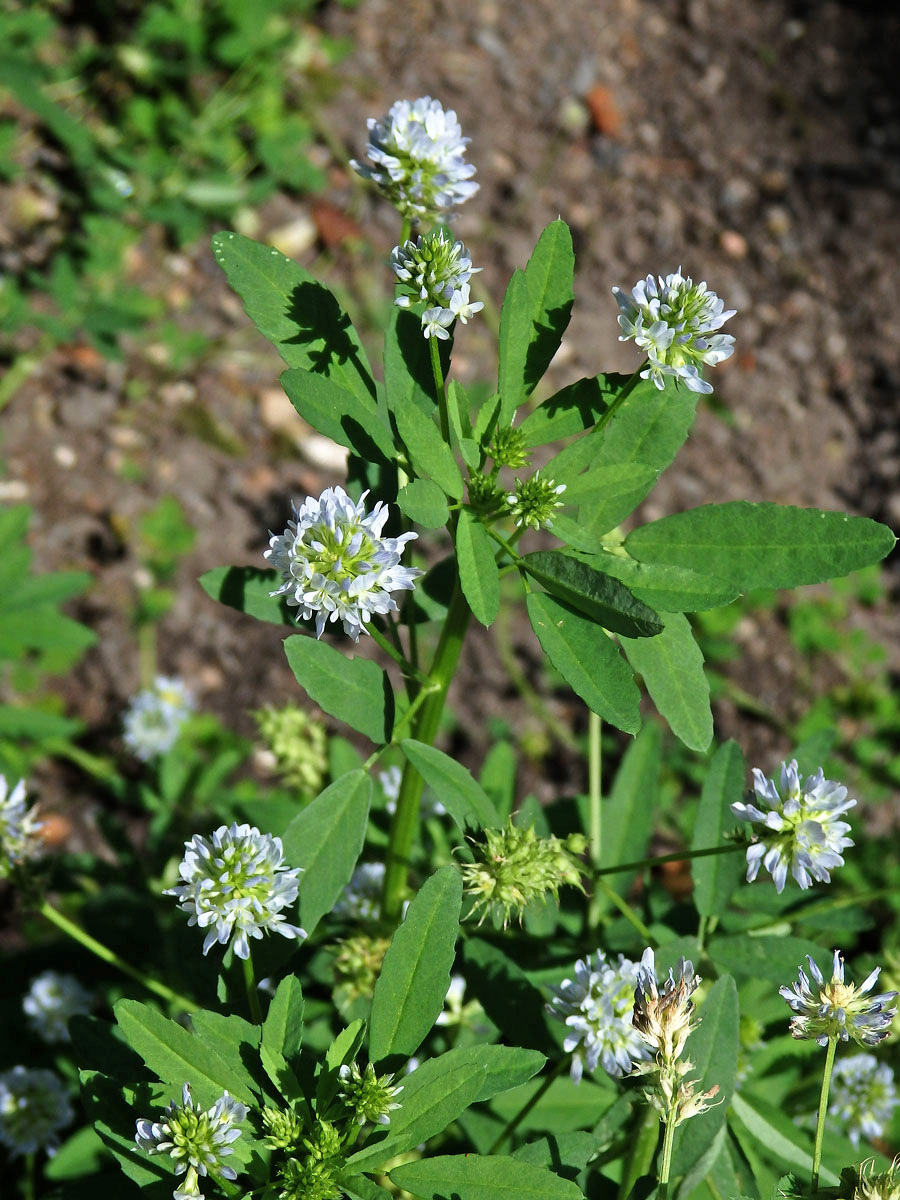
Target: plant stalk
{"points": [[252, 990], [439, 389], [823, 1109], [665, 1164], [595, 797]]}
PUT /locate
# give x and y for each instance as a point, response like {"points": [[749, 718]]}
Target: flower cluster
{"points": [[34, 1107], [357, 966], [51, 1002], [418, 151], [235, 884], [883, 1185], [597, 1007], [336, 565], [674, 322], [801, 829], [198, 1141], [534, 501], [515, 868], [20, 830], [863, 1096], [837, 1009], [297, 743], [369, 1096], [154, 720], [361, 900], [437, 271]]}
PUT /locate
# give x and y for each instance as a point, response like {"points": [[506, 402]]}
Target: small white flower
{"points": [[361, 900], [597, 1007], [674, 322], [198, 1141], [418, 151], [155, 717], [335, 563], [34, 1107], [863, 1096], [462, 308], [436, 322], [800, 830], [20, 839], [837, 1009], [51, 1002], [235, 885]]}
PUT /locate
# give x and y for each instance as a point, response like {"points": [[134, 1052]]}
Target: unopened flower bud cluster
{"points": [[298, 745], [435, 270]]}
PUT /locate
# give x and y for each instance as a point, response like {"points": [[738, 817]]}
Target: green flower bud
{"points": [[308, 1180], [370, 1097], [508, 448], [297, 743], [534, 501], [484, 495], [283, 1130]]}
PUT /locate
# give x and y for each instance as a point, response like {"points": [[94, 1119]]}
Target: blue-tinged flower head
{"points": [[435, 270], [198, 1141], [597, 1007], [51, 1002], [419, 156], [155, 717], [335, 563], [235, 885], [863, 1096], [837, 1009], [801, 829], [674, 323], [34, 1107], [20, 830], [361, 898]]}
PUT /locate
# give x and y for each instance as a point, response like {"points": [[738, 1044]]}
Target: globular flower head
{"points": [[863, 1096], [155, 717], [235, 885], [298, 744], [431, 268], [508, 448], [535, 500], [418, 154], [515, 867], [20, 830], [308, 1179], [198, 1141], [336, 565], [34, 1107], [836, 1009], [283, 1130], [674, 323], [369, 1097], [51, 1002], [597, 1007], [800, 826], [361, 900], [357, 967], [663, 1018]]}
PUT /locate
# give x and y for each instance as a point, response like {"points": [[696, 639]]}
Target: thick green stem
{"points": [[823, 1109], [665, 1162], [514, 1122], [109, 956], [252, 990], [595, 799]]}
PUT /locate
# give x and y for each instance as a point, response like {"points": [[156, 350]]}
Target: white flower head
{"points": [[674, 323], [20, 830], [837, 1009], [863, 1096], [336, 565], [801, 829], [155, 717], [436, 270], [361, 900], [34, 1107], [198, 1141], [235, 885], [51, 1002], [597, 1008], [418, 151]]}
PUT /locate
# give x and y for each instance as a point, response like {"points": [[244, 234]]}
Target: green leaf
{"points": [[588, 660], [34, 724], [348, 418], [599, 596], [716, 877], [345, 1046], [672, 669], [408, 374], [767, 956], [429, 454], [464, 799], [297, 314], [247, 589], [423, 502], [573, 410], [762, 545], [666, 589], [549, 275], [282, 1031], [415, 974], [713, 1049], [355, 690], [478, 576], [326, 839], [628, 813], [778, 1138], [506, 993], [650, 427], [79, 1155], [232, 1038], [178, 1057], [360, 1187], [604, 497], [515, 337], [474, 1177]]}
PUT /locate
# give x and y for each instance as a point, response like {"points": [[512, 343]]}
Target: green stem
{"points": [[626, 910], [665, 1165], [389, 648], [626, 391], [109, 956], [676, 856], [252, 990], [405, 230], [823, 1108], [29, 1181], [439, 389], [595, 798], [514, 1122], [406, 815]]}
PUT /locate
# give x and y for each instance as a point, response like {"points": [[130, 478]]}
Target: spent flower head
{"points": [[20, 830], [882, 1185], [336, 565], [418, 154], [50, 1003], [369, 1097], [298, 744], [155, 717], [597, 1007], [863, 1096], [663, 1016], [535, 500], [235, 884], [800, 826], [198, 1141], [674, 323], [836, 1009], [34, 1107]]}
